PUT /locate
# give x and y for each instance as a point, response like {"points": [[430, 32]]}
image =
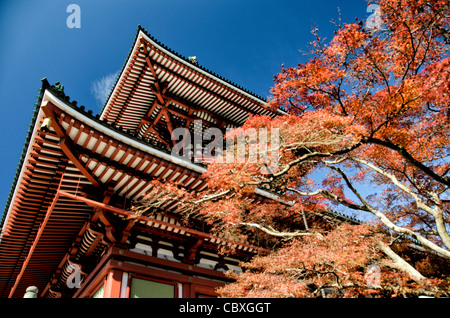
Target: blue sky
{"points": [[245, 41]]}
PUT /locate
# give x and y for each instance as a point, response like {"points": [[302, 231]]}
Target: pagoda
{"points": [[67, 229]]}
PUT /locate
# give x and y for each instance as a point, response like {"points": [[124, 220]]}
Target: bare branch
{"points": [[435, 211], [399, 263], [380, 215], [301, 159], [271, 231], [420, 204], [410, 159], [332, 196]]}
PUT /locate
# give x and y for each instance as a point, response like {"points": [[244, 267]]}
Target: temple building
{"points": [[66, 228]]}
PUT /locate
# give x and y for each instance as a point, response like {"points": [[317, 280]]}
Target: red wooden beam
{"points": [[33, 246], [119, 211], [113, 283], [66, 147]]}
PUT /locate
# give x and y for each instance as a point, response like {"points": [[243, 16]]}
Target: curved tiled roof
{"points": [[186, 59], [159, 90], [45, 85]]}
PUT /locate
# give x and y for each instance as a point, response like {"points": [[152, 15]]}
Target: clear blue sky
{"points": [[245, 41]]}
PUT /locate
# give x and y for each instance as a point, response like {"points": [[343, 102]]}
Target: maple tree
{"points": [[369, 110]]}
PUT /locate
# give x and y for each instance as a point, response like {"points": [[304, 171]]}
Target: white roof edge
{"points": [[48, 96], [282, 112]]}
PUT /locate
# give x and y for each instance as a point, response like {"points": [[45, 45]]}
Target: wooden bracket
{"points": [[191, 252]]}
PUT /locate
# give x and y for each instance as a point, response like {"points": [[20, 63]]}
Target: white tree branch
{"points": [[271, 231], [435, 211], [400, 263], [420, 204], [380, 215]]}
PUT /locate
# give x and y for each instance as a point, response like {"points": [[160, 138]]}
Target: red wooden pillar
{"points": [[113, 284]]}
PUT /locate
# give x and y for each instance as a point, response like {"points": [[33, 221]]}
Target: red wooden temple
{"points": [[66, 227]]}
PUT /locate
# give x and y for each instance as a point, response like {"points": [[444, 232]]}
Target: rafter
{"points": [[120, 85], [193, 84], [163, 101], [169, 124], [65, 145], [221, 121]]}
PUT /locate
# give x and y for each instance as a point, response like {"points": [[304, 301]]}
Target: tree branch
{"points": [[289, 165], [405, 154], [380, 215], [332, 196], [399, 263], [271, 231], [436, 212], [419, 203]]}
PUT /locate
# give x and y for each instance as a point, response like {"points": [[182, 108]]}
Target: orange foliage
{"points": [[372, 108]]}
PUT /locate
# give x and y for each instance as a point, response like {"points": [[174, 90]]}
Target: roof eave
{"points": [[142, 33]]}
